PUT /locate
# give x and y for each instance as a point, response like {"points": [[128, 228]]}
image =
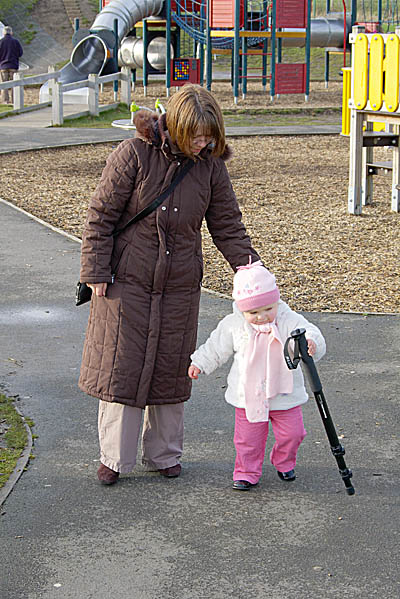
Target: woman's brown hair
{"points": [[194, 111]]}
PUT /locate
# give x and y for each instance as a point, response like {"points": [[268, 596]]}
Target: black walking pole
{"points": [[301, 353]]}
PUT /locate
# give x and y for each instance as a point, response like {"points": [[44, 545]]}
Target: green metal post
{"points": [[243, 70], [308, 49], [202, 61], [145, 44], [273, 50], [353, 12], [265, 50], [326, 68], [236, 51], [208, 46], [115, 54], [279, 43], [244, 54], [178, 34], [168, 49], [279, 51], [133, 71]]}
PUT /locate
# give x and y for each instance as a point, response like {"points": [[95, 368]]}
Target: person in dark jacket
{"points": [[146, 284], [10, 53]]}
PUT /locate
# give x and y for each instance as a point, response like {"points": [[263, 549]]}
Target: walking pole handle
{"points": [[301, 352]]}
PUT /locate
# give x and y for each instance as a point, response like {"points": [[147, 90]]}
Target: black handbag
{"points": [[83, 293]]}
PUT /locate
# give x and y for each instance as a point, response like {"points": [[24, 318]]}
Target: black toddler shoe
{"points": [[242, 485], [287, 476]]}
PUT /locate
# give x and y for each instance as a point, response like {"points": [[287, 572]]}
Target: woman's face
{"points": [[199, 141]]}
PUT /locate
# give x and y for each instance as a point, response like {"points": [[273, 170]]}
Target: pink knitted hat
{"points": [[254, 286]]}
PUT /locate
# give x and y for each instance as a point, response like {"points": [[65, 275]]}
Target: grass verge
{"points": [[99, 122], [13, 437]]}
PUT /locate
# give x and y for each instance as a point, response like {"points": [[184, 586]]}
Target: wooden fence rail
{"points": [[57, 89]]}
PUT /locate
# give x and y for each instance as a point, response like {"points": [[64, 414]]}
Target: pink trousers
{"points": [[119, 433], [250, 439]]}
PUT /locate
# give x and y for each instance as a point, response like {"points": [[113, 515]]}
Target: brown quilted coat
{"points": [[140, 336]]}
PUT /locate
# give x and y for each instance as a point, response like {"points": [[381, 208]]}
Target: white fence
{"points": [[57, 89]]}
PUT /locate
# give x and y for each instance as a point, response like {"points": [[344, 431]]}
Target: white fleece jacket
{"points": [[231, 337]]}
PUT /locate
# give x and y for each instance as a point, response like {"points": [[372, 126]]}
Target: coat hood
{"points": [[152, 129]]}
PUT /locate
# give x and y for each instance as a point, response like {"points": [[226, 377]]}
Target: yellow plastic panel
{"points": [[360, 71], [391, 68], [345, 101], [376, 72]]}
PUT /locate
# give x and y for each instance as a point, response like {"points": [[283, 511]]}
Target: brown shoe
{"points": [[107, 476], [171, 472]]}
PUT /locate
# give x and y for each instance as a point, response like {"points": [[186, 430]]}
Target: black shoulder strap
{"points": [[155, 203]]}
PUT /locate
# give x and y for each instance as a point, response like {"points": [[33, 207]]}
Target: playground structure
{"points": [[238, 28], [374, 98]]}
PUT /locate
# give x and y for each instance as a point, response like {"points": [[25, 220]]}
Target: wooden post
{"points": [[126, 86], [367, 180], [396, 174], [18, 92], [57, 104], [355, 166], [354, 203], [93, 95], [51, 69]]}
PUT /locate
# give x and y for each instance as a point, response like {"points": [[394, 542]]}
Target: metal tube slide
{"points": [[127, 13], [91, 53]]}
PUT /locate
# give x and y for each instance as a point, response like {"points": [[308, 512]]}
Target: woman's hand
{"points": [[98, 289], [194, 372]]}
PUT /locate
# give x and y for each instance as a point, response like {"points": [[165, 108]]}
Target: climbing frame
{"points": [[374, 99]]}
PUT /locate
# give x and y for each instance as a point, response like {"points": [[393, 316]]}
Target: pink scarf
{"points": [[266, 371]]}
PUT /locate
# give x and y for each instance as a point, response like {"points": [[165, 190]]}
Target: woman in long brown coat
{"points": [[146, 282]]}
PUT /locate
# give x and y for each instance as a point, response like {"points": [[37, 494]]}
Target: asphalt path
{"points": [[21, 137], [63, 535]]}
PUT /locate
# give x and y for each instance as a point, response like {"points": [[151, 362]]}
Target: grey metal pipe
{"points": [[325, 33], [131, 52]]}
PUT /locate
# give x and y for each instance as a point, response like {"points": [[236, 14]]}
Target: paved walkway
{"points": [[33, 130], [64, 535], [14, 138]]}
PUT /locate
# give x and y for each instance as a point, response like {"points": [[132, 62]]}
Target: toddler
{"points": [[260, 386]]}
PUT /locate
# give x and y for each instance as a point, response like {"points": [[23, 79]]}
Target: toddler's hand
{"points": [[312, 348], [194, 372]]}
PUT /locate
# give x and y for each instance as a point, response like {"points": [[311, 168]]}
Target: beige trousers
{"points": [[119, 429], [6, 94]]}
